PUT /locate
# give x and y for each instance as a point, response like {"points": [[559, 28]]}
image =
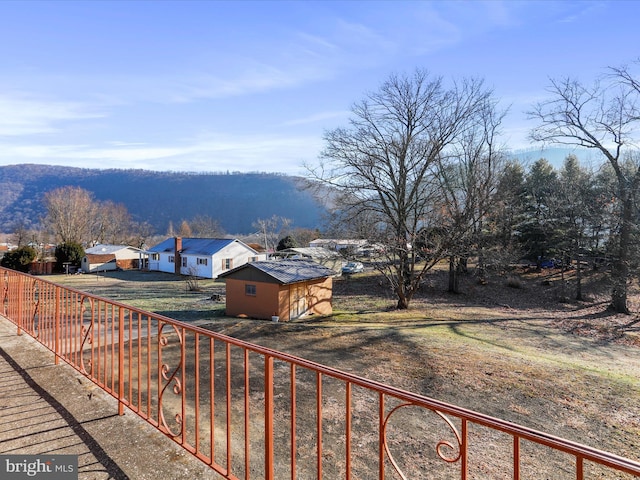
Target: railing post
{"points": [[464, 464], [579, 468], [516, 458], [268, 418], [56, 326], [19, 294], [381, 439], [319, 424], [120, 361]]}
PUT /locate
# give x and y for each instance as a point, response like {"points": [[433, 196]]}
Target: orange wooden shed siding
{"points": [[273, 299]]}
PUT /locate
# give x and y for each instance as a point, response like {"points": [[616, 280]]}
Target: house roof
{"points": [[104, 249], [311, 252], [338, 241], [196, 246], [286, 271]]}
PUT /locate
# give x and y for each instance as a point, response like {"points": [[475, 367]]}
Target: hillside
{"points": [[236, 200]]}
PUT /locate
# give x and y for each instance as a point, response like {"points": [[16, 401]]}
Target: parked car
{"points": [[549, 263], [353, 267]]}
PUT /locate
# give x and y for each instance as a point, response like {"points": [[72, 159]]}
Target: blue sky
{"points": [[252, 86]]}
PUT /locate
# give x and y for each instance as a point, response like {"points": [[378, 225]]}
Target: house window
{"points": [[227, 263], [155, 256], [184, 262], [172, 259], [202, 261], [250, 290], [253, 259]]}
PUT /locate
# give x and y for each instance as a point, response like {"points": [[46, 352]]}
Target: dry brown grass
{"points": [[525, 354]]}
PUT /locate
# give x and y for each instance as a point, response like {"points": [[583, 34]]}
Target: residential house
{"points": [[112, 257], [201, 257], [282, 289]]}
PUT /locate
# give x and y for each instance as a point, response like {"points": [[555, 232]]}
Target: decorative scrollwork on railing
{"points": [[35, 318], [171, 378], [441, 446], [5, 294], [86, 333]]}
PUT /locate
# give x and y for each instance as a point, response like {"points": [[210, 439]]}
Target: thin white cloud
{"points": [[218, 153], [317, 41], [316, 118], [22, 115], [358, 34], [500, 13], [318, 53], [577, 11]]}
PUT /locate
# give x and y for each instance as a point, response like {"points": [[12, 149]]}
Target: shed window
{"points": [[253, 259], [202, 261], [184, 262], [250, 290], [155, 256], [172, 259], [227, 263]]}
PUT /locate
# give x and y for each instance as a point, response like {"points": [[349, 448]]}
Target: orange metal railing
{"points": [[252, 412]]}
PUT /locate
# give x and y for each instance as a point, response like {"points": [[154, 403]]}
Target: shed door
{"points": [[298, 300]]}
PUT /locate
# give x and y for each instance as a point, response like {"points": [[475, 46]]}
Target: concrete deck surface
{"points": [[48, 409]]}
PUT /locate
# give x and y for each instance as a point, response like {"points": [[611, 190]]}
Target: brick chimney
{"points": [[177, 257]]}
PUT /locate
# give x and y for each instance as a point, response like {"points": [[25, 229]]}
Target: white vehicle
{"points": [[353, 267]]}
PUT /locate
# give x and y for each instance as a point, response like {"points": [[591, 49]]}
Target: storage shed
{"points": [[286, 289]]}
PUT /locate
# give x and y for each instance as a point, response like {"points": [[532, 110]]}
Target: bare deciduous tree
{"points": [[604, 117], [468, 179], [271, 229], [113, 223], [384, 163], [141, 232], [203, 226], [71, 212], [73, 216], [185, 229]]}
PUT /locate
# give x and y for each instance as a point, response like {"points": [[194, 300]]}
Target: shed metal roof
{"points": [[287, 271]]}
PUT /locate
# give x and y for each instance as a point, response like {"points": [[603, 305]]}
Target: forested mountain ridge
{"points": [[235, 200]]}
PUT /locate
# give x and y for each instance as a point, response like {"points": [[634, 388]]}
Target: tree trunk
{"points": [[579, 295], [620, 267], [454, 282], [403, 302], [404, 282], [481, 269]]}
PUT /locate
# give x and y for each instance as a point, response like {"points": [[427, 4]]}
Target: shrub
{"points": [[19, 259], [514, 282]]}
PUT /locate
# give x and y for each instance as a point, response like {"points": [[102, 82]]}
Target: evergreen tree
{"points": [[538, 229], [286, 242], [70, 253], [575, 214]]}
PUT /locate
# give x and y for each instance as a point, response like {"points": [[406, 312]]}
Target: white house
{"points": [[112, 257], [201, 257]]}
